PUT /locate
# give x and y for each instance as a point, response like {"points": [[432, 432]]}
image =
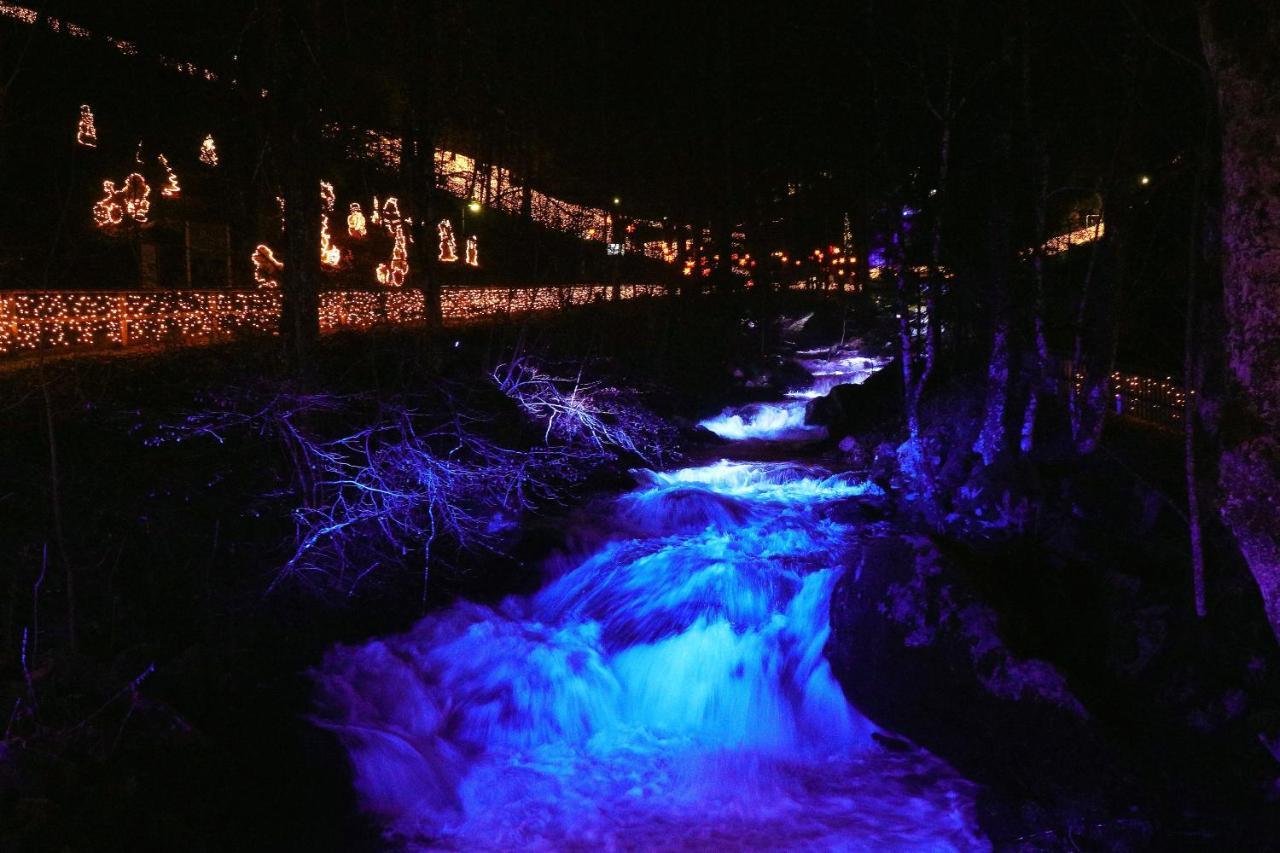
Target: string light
{"points": [[1078, 237], [209, 151], [42, 320], [473, 251], [448, 245], [171, 188], [355, 222], [265, 266], [86, 131], [374, 215]]}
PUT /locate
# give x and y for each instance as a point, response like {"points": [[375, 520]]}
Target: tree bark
{"points": [[1241, 41]]}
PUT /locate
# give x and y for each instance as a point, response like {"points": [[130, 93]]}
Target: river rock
{"points": [[916, 649]]}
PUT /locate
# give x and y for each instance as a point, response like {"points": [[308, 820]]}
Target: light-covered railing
{"points": [[1149, 399], [32, 321]]}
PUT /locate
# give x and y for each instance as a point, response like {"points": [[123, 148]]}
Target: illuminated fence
{"points": [[1159, 402], [32, 321]]}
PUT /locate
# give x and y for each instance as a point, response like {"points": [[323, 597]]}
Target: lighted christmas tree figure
{"points": [[209, 151], [171, 188]]}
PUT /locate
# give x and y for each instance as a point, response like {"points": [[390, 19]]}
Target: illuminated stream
{"points": [[667, 689]]}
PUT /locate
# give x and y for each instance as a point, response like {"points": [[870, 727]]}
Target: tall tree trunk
{"points": [[1190, 386], [1241, 40], [992, 438], [1040, 170], [295, 138]]}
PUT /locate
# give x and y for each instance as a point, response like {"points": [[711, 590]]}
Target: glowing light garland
{"points": [[171, 188], [209, 151], [52, 320], [265, 266], [473, 251], [448, 245], [86, 132]]}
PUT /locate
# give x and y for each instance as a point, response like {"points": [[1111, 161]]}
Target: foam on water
{"points": [[666, 690]]}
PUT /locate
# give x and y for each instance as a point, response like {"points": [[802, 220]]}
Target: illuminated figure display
{"points": [[86, 132], [108, 211], [132, 200], [473, 251], [448, 245], [355, 221], [265, 266], [330, 255], [393, 274]]}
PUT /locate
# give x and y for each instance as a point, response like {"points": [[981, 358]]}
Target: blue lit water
{"points": [[666, 689]]}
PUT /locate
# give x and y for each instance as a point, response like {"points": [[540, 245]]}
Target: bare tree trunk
{"points": [[993, 434], [1190, 408], [1041, 171], [417, 149], [295, 137], [1241, 40], [55, 506]]}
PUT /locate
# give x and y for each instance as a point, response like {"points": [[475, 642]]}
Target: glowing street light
{"points": [[1144, 180], [473, 206], [616, 201]]}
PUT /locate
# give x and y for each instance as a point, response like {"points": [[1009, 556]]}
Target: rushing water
{"points": [[665, 690], [784, 421]]}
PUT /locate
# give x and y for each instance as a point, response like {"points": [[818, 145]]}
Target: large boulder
{"points": [[851, 409], [917, 650]]}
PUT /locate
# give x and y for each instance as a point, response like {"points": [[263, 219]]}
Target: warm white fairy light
{"points": [[86, 131], [265, 266], [473, 251], [375, 217], [209, 151], [171, 188], [45, 320], [1078, 237], [356, 226], [448, 252]]}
